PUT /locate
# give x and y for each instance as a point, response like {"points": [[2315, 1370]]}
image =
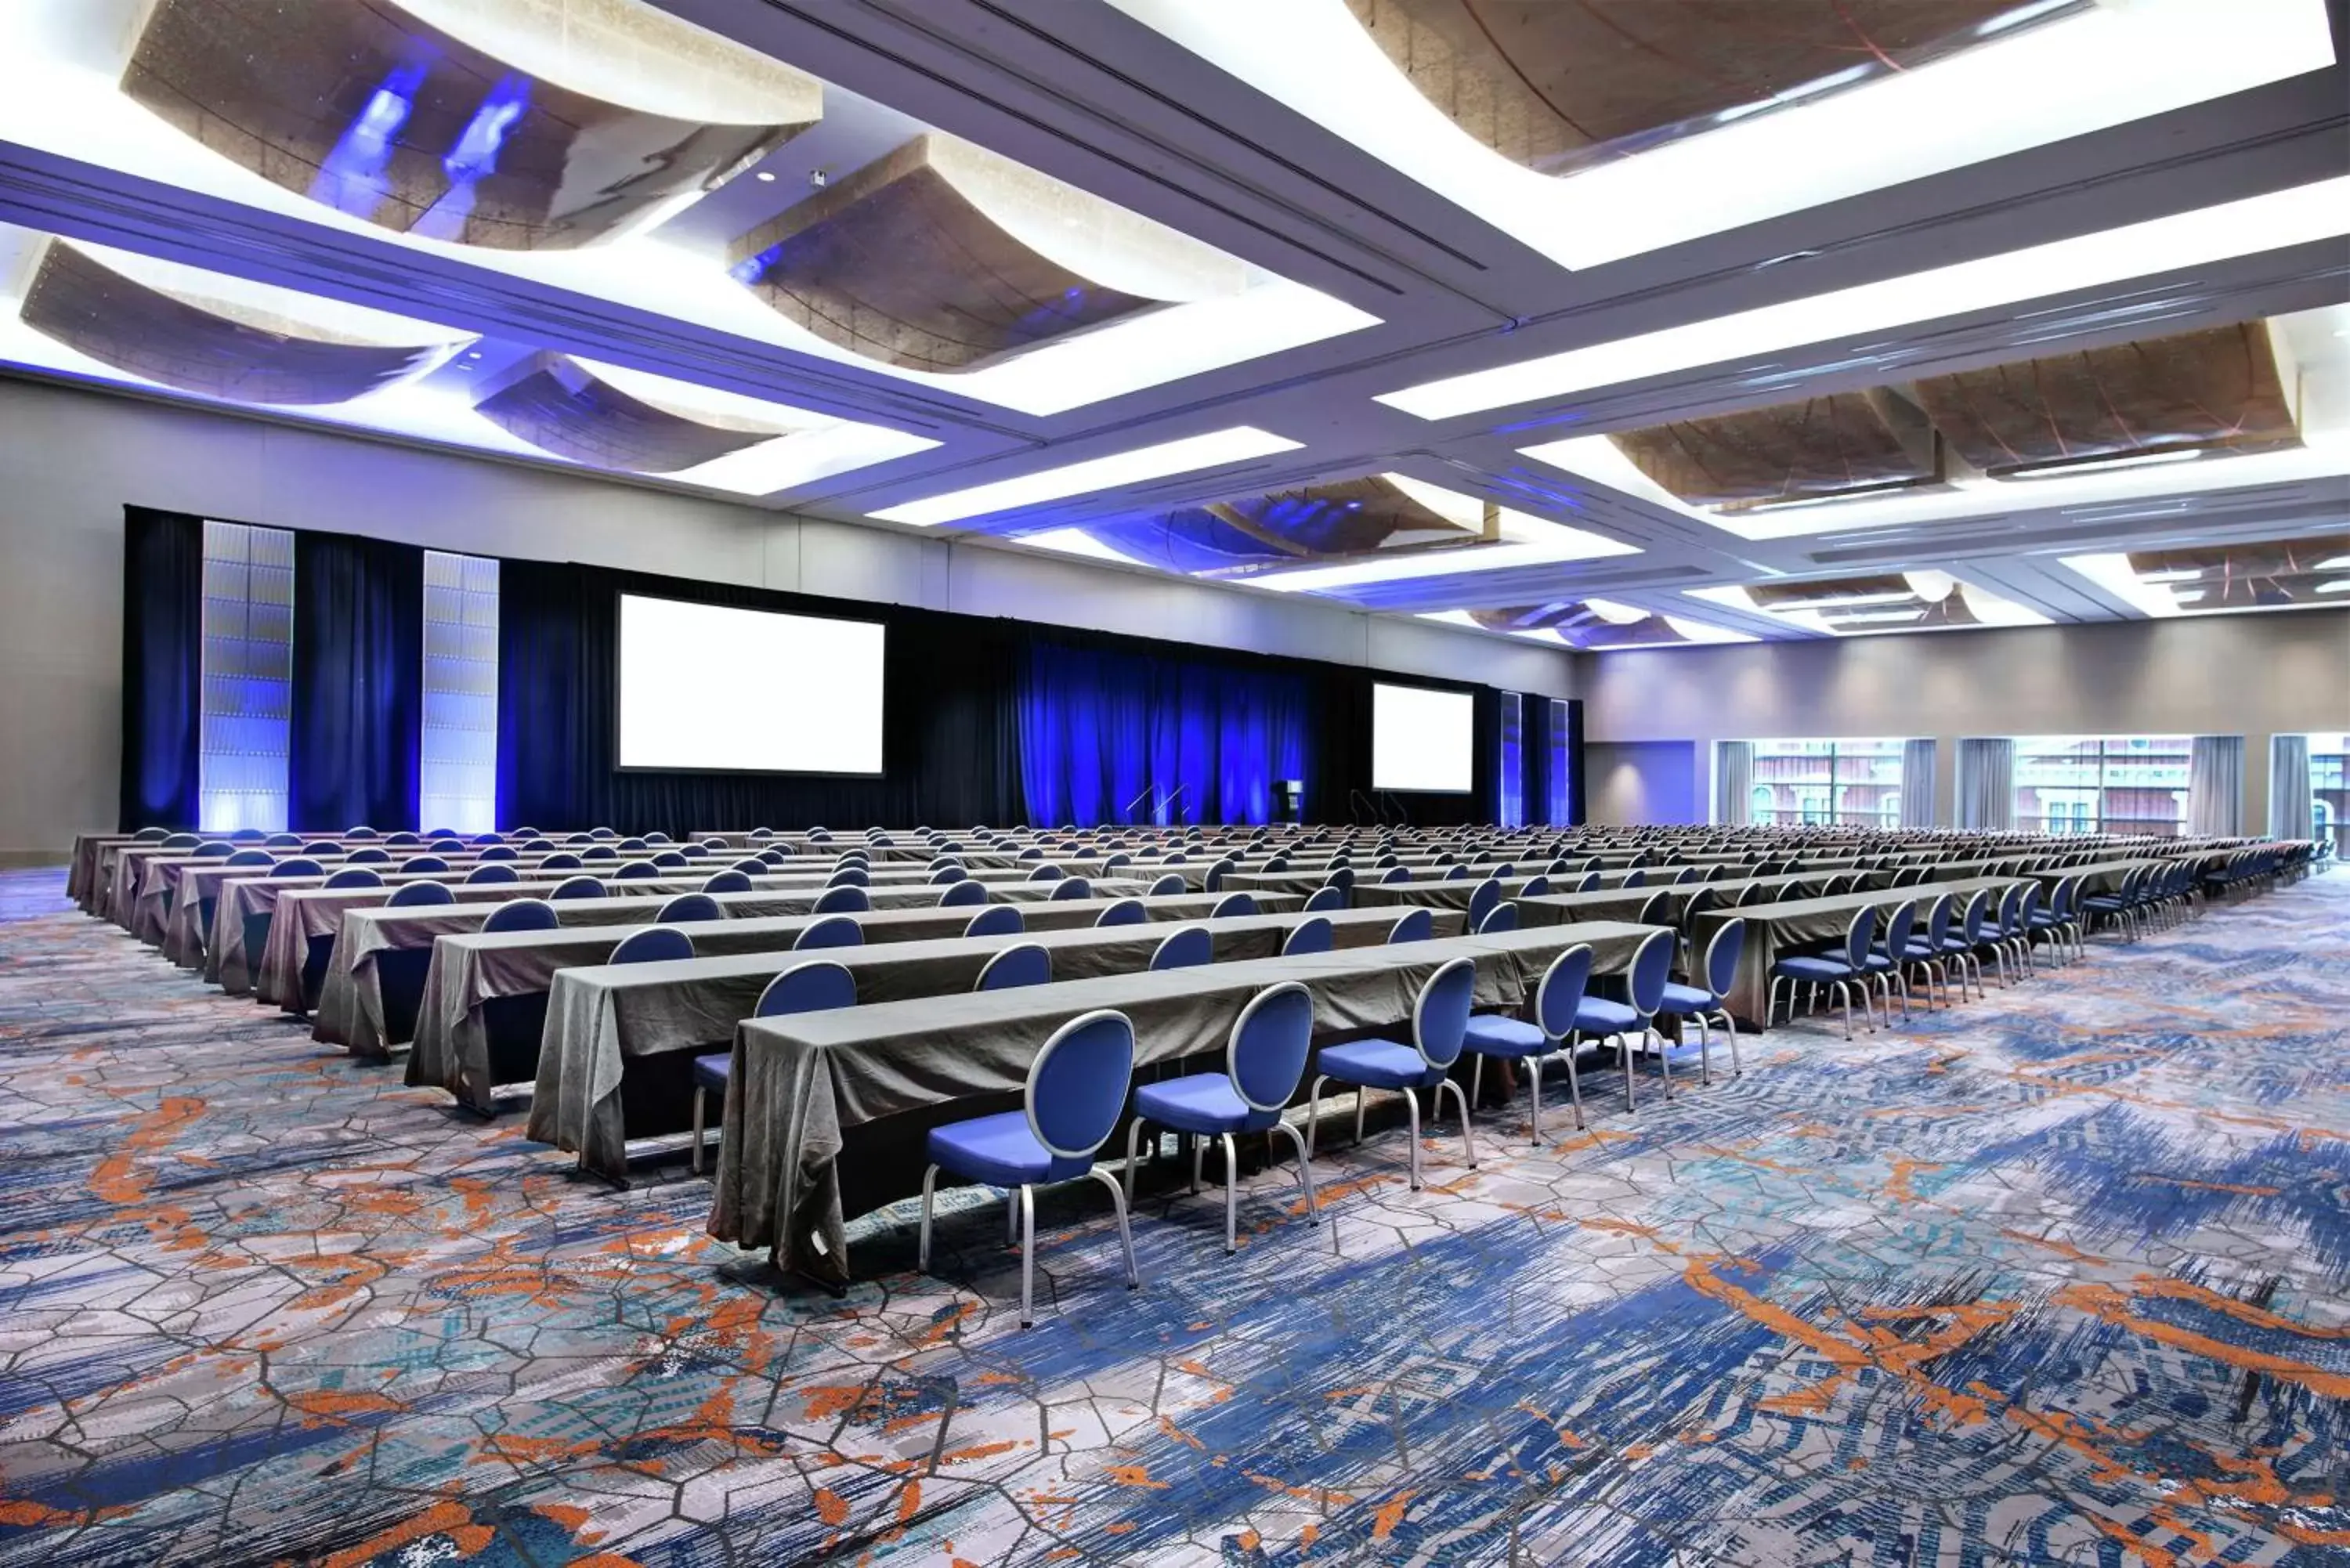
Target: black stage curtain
{"points": [[163, 667], [358, 700], [950, 747]]}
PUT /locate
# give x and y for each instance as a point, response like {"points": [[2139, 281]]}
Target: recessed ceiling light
{"points": [[765, 176], [2339, 586], [2105, 465], [1213, 450]]}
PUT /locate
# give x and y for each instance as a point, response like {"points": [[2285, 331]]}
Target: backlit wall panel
{"points": [[459, 765], [248, 677]]}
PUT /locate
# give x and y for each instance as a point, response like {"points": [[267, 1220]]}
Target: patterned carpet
{"points": [[2060, 1277]]}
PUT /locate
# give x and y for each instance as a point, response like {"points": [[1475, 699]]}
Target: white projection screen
{"points": [[711, 689], [1422, 740]]}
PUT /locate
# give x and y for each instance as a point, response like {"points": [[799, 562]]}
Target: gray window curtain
{"points": [[1734, 782], [2289, 800], [2215, 786], [1986, 781], [1917, 784]]}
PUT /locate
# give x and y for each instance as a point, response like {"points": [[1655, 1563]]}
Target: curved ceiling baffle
{"points": [[525, 125], [557, 403], [222, 337], [1592, 625], [942, 257], [2202, 579]]}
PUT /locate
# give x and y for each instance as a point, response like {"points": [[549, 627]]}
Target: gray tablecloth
{"points": [[599, 1018], [799, 1084], [467, 973]]}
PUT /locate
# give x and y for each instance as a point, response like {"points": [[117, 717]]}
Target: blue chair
{"points": [[561, 860], [1537, 886], [1231, 905], [943, 875], [1186, 947], [1167, 887], [1024, 963], [1124, 912], [727, 882], [1459, 873], [354, 877], [1264, 1057], [215, 848], [1589, 883], [751, 866], [297, 866], [600, 853], [997, 920], [771, 859], [361, 832], [964, 893], [1309, 936], [500, 852], [1845, 972], [672, 860], [1720, 971], [1500, 917], [687, 909], [523, 915], [578, 888], [652, 944], [831, 932], [847, 899], [1326, 898], [1414, 925], [243, 857], [1213, 881], [1886, 963], [326, 847], [1077, 1089], [1047, 874], [1398, 873], [491, 871], [632, 846], [815, 986], [1960, 947], [2060, 921], [1645, 977], [1072, 888], [637, 871], [656, 838], [1440, 1023], [415, 895], [1551, 1033], [850, 876], [1634, 879], [416, 863], [1924, 951]]}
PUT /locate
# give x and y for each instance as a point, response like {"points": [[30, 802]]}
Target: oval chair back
{"points": [[1482, 899], [637, 871], [960, 893], [1440, 1015], [354, 877], [727, 882], [1938, 920], [252, 857], [1689, 874], [1977, 910], [632, 844], [995, 920], [1894, 940], [2028, 905], [1233, 904], [831, 932], [849, 876], [1536, 887], [1326, 898], [672, 860], [578, 888], [416, 863], [1265, 1056], [1167, 887], [1124, 912], [652, 944], [1858, 936], [847, 898], [404, 838], [1721, 955], [1414, 925], [1636, 878], [1458, 873], [950, 872], [1499, 918], [1398, 874], [1562, 991], [600, 853], [751, 866], [416, 894], [1313, 935], [1650, 969], [501, 852], [297, 866], [150, 835], [1077, 1085], [1652, 909], [1024, 963], [214, 848], [688, 908], [816, 986], [1047, 874], [2010, 903], [328, 846], [523, 915], [1072, 888], [1589, 884], [492, 871], [1186, 947], [185, 841], [561, 860]]}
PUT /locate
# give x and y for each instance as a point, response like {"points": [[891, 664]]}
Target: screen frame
{"points": [[620, 652], [1371, 733]]}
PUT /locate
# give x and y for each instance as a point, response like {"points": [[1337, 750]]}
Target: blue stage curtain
{"points": [[357, 715], [163, 667], [1116, 734]]}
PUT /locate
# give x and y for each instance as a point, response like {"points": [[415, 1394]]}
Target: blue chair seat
{"points": [[1819, 968], [1687, 998], [1203, 1103], [712, 1072], [1597, 1015], [1001, 1151], [1494, 1034], [1378, 1064], [1923, 950]]}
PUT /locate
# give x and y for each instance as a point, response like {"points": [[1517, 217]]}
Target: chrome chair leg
{"points": [[1305, 1171], [1664, 1055], [1232, 1195], [1125, 1232], [1313, 1114], [701, 1109], [1631, 1101], [1027, 1257], [1534, 1080], [1411, 1114], [922, 1245], [1704, 1050], [1575, 1079], [1468, 1145], [1133, 1132]]}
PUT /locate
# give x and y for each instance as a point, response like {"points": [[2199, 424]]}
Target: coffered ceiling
{"points": [[1607, 324]]}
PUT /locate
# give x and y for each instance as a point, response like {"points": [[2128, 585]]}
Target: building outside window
{"points": [[1827, 783], [2329, 790], [2101, 783]]}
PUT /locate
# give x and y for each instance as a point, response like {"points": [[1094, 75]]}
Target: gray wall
{"points": [[1637, 783], [70, 460], [2249, 675]]}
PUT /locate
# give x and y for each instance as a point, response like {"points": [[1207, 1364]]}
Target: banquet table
{"points": [[801, 1085], [469, 973]]}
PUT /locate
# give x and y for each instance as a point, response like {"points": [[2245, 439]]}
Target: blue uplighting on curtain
{"points": [[1112, 736]]}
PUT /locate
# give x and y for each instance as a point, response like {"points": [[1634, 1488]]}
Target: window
{"points": [[2329, 789], [1827, 783], [458, 760], [2101, 783], [247, 665]]}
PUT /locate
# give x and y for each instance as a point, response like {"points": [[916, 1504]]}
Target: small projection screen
{"points": [[1421, 740], [711, 689]]}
